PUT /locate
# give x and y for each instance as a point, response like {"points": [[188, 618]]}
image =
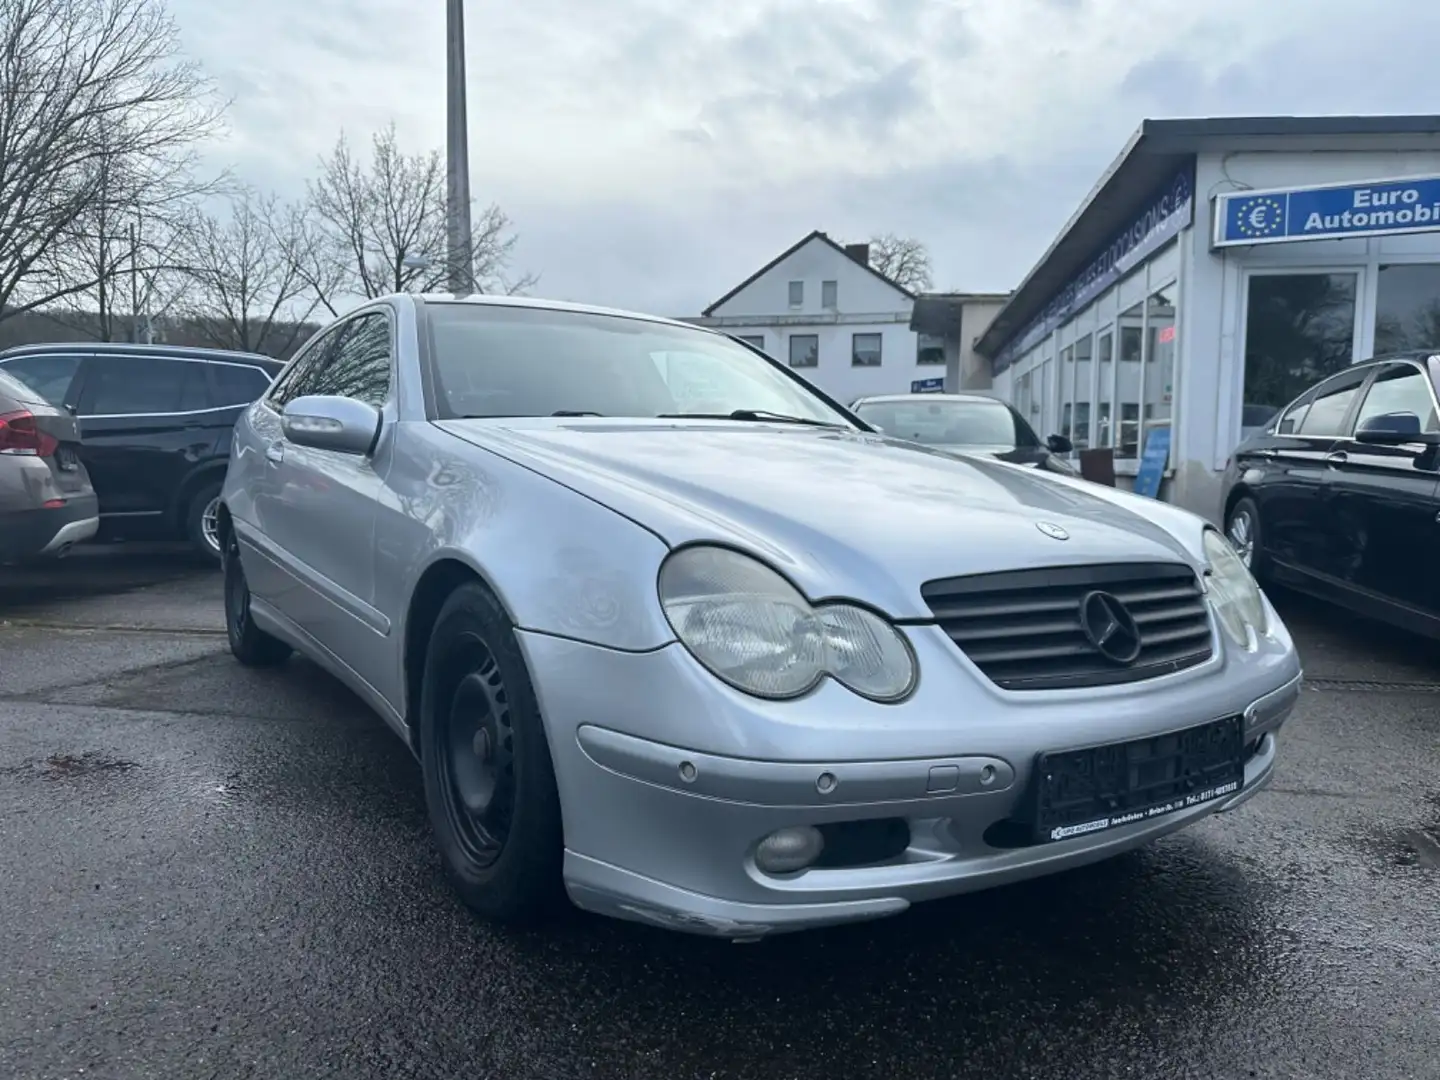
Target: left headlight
{"points": [[750, 627], [1232, 590]]}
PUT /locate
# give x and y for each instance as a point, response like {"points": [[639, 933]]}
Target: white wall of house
{"points": [[829, 317]]}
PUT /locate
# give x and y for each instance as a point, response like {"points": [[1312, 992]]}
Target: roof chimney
{"points": [[859, 252]]}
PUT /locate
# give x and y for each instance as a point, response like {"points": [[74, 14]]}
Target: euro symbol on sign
{"points": [[1257, 217]]}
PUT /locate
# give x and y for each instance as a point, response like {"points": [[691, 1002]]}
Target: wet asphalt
{"points": [[207, 871]]}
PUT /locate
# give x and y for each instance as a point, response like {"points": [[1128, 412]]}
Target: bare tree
{"points": [[381, 227], [902, 259], [91, 91], [248, 272]]}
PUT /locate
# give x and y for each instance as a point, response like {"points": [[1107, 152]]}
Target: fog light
{"points": [[787, 850]]}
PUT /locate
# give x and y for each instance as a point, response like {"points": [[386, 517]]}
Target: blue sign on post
{"points": [[1153, 460], [927, 386], [1328, 212]]}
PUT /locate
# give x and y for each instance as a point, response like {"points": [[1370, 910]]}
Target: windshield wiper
{"points": [[575, 412], [752, 415]]}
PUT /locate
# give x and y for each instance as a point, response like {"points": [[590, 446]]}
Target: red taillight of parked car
{"points": [[19, 434]]}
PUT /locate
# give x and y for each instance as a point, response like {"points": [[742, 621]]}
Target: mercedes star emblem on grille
{"points": [[1055, 532], [1110, 627]]}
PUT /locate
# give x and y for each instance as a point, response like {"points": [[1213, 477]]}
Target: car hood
{"points": [[842, 513]]}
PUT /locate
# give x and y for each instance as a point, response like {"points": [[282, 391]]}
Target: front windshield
{"points": [[491, 360], [950, 423]]}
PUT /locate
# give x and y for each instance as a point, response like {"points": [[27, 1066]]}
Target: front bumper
{"points": [[669, 781]]}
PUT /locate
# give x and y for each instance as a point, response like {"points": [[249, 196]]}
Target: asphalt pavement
{"points": [[208, 871]]}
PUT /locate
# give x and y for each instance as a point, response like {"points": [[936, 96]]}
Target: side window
{"points": [[1326, 414], [48, 374], [139, 385], [1294, 416], [1400, 388], [359, 365], [236, 384], [294, 380]]}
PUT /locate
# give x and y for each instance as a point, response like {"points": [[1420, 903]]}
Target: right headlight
{"points": [[1232, 590], [753, 629]]}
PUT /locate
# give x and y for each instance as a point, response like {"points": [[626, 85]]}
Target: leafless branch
{"points": [[380, 228], [902, 259]]}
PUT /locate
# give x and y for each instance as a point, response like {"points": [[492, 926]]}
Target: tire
{"points": [[252, 646], [202, 524], [489, 782], [1242, 529]]}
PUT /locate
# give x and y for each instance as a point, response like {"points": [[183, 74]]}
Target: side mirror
{"points": [[1059, 444], [1392, 429], [331, 423]]}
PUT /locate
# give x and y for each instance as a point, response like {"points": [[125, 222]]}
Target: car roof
{"points": [[486, 299], [872, 399], [125, 348]]}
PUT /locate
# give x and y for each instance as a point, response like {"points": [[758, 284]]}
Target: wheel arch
{"points": [[1236, 493], [206, 472], [436, 582]]}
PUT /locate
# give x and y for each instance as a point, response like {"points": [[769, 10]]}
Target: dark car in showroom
{"points": [[155, 424], [1339, 496], [967, 424]]}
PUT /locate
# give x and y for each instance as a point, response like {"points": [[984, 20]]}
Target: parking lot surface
{"points": [[209, 871]]}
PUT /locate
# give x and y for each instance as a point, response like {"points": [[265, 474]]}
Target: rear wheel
{"points": [[202, 521], [252, 646], [489, 783]]}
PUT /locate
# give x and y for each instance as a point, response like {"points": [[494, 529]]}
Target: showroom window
{"points": [[1128, 376], [1081, 437], [1104, 387], [1407, 308], [929, 349], [1299, 328], [865, 350], [804, 350], [1067, 390], [1159, 381]]}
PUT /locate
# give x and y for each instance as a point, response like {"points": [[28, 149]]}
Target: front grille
{"points": [[1022, 628]]}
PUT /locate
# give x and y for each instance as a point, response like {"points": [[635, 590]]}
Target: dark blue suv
{"points": [[155, 424]]}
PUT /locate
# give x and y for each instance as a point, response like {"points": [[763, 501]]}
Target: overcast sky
{"points": [[653, 153]]}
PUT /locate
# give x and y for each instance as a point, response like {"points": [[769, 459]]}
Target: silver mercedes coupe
{"points": [[675, 634]]}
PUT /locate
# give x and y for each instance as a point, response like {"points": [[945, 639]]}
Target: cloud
{"points": [[652, 153]]}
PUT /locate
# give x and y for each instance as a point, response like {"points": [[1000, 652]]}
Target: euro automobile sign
{"points": [[1328, 212]]}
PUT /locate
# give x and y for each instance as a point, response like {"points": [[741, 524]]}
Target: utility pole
{"points": [[459, 257]]}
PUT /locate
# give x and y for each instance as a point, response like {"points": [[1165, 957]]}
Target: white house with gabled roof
{"points": [[821, 308]]}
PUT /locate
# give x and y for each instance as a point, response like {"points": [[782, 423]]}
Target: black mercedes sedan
{"points": [[1339, 495]]}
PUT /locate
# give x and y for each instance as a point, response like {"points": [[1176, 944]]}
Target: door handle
{"points": [[1336, 457], [275, 453]]}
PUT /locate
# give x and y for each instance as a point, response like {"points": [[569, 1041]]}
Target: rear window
{"points": [[237, 384]]}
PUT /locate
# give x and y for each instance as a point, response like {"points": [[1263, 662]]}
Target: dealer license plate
{"points": [[1096, 788]]}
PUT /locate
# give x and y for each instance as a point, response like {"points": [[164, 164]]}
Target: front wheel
{"points": [[489, 783], [1242, 529]]}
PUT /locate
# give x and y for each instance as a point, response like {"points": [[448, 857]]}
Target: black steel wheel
{"points": [[252, 646], [489, 783]]}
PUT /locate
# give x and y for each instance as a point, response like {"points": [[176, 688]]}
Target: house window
{"points": [[757, 340], [804, 350], [929, 349], [797, 294], [828, 295], [865, 350]]}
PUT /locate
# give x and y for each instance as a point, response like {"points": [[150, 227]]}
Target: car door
{"points": [[1292, 484], [143, 427], [326, 502], [254, 475], [1383, 499]]}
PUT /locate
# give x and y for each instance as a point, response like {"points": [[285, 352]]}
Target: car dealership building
{"points": [[1217, 269]]}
